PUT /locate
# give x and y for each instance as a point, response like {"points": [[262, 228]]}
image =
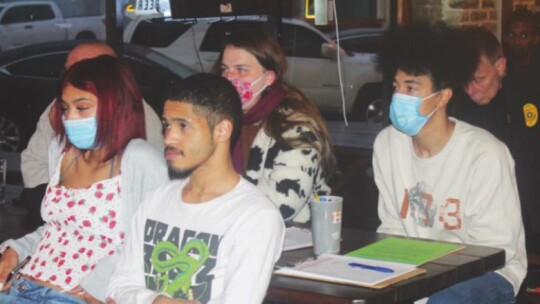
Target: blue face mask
{"points": [[405, 113], [82, 132]]}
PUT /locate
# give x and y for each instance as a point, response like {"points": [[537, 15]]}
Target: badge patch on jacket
{"points": [[531, 114]]}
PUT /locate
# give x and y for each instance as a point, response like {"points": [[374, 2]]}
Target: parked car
{"points": [[363, 40], [312, 56], [28, 22], [360, 40], [29, 79]]}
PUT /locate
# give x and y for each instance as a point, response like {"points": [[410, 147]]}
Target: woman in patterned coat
{"points": [[284, 147]]}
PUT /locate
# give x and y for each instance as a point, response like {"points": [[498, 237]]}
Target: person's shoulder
{"points": [[141, 145], [165, 190], [476, 138], [251, 196], [298, 127], [142, 150], [472, 132]]}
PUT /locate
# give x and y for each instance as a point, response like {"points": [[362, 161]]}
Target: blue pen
{"points": [[370, 267]]}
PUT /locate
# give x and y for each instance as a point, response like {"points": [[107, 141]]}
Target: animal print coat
{"points": [[288, 176]]}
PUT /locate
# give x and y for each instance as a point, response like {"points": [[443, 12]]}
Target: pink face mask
{"points": [[245, 89]]}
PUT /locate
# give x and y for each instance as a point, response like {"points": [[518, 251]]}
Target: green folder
{"points": [[407, 251]]}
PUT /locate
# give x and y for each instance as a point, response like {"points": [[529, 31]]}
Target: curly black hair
{"points": [[438, 51]]}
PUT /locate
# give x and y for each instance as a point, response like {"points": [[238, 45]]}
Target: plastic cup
{"points": [[326, 224]]}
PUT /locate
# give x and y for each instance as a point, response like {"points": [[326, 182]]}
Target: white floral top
{"points": [[81, 227]]}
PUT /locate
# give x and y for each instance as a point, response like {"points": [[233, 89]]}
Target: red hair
{"points": [[120, 114]]}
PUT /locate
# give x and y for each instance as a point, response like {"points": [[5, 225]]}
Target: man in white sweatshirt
{"points": [[209, 236], [441, 178]]}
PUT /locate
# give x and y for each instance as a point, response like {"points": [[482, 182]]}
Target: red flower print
{"points": [[76, 232], [99, 186], [58, 192], [71, 218], [50, 213], [80, 238], [33, 267], [80, 202], [112, 213], [105, 219], [64, 234], [68, 280], [89, 253], [43, 263], [49, 189], [82, 250], [98, 194], [86, 223], [62, 254], [109, 197], [39, 274], [52, 278], [70, 204], [109, 240], [60, 240], [51, 251], [103, 237], [111, 252], [68, 271], [75, 256], [91, 238], [92, 209], [84, 267], [65, 242], [61, 262], [122, 235], [103, 245], [55, 259], [112, 224], [92, 267]]}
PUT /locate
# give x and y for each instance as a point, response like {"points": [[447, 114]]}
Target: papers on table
{"points": [[403, 250], [352, 271], [296, 238]]}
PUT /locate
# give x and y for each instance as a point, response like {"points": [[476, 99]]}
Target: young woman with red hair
{"points": [[100, 166]]}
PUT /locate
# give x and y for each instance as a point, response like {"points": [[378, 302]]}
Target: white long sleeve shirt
{"points": [[466, 193], [219, 251]]}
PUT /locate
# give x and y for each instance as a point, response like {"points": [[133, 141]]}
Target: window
{"points": [[218, 32], [26, 13], [298, 41], [158, 33], [15, 15], [40, 12]]}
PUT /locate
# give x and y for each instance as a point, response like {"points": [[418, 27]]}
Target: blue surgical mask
{"points": [[82, 132], [405, 113]]}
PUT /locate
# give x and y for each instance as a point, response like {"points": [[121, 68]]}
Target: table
{"points": [[441, 273]]}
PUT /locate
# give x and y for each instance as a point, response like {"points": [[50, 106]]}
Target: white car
{"points": [[311, 56], [31, 22]]}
